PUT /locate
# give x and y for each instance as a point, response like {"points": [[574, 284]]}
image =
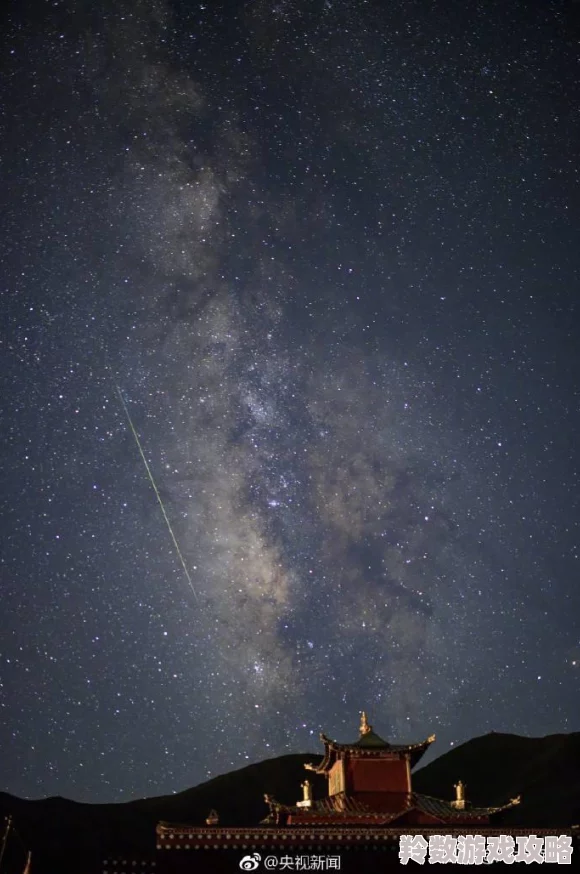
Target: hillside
{"points": [[496, 767], [58, 830], [545, 771]]}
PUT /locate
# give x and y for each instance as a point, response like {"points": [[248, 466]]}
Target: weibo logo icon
{"points": [[250, 863]]}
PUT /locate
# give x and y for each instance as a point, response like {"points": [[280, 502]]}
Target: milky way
{"points": [[326, 251]]}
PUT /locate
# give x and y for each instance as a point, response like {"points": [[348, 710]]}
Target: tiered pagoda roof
{"points": [[371, 744]]}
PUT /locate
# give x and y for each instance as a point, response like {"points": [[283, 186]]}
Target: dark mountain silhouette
{"points": [[545, 771], [495, 767]]}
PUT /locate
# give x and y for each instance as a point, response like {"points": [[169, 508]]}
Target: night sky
{"points": [[326, 253]]}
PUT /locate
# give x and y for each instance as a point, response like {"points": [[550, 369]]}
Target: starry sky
{"points": [[324, 254]]}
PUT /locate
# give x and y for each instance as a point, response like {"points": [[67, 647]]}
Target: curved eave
{"points": [[414, 751], [417, 751], [332, 749], [442, 808], [513, 802], [328, 759]]}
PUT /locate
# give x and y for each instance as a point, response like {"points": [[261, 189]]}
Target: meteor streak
{"points": [[156, 490]]}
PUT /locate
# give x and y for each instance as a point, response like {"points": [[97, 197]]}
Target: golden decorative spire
{"points": [[364, 728], [460, 802]]}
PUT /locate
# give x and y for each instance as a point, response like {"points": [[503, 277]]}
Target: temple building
{"points": [[369, 784], [370, 803]]}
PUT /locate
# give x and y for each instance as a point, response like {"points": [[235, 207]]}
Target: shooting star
{"points": [[156, 490]]}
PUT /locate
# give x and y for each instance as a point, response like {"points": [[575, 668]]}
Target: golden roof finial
{"points": [[364, 728], [460, 802]]}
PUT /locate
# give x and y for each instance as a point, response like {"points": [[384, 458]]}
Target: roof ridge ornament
{"points": [[364, 727]]}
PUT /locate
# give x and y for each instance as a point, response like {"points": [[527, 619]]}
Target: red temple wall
{"points": [[377, 775]]}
